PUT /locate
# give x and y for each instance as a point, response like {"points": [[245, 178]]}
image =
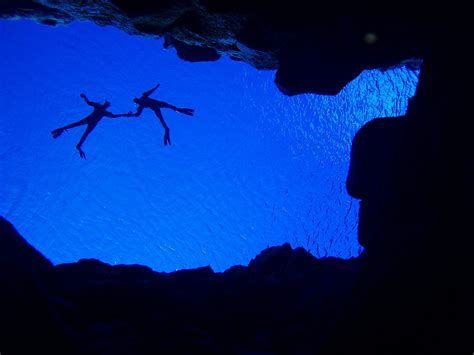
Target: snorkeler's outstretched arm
{"points": [[151, 91], [88, 130], [90, 103], [113, 115]]}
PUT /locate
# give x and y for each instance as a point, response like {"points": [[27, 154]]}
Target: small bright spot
{"points": [[370, 38]]}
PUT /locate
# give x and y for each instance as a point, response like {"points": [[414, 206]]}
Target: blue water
{"points": [[251, 169]]}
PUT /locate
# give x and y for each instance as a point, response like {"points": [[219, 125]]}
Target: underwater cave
{"points": [[208, 177]]}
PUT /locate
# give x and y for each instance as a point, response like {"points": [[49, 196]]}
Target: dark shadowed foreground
{"points": [[283, 300]]}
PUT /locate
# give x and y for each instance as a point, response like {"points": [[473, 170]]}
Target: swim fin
{"points": [[187, 111], [57, 132]]}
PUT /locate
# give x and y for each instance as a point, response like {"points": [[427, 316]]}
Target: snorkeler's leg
{"points": [[88, 130], [57, 132], [166, 138], [186, 111], [76, 124]]}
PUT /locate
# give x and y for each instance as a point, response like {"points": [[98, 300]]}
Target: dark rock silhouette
{"points": [[312, 51], [413, 292], [18, 253], [377, 158], [284, 300], [30, 312], [191, 53]]}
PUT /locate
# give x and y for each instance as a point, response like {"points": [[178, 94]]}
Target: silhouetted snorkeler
{"points": [[145, 102], [100, 111]]}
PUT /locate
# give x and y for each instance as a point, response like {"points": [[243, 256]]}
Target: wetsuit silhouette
{"points": [[100, 111], [146, 102]]}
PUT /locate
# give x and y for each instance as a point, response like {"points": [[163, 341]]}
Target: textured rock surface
{"points": [[313, 52]]}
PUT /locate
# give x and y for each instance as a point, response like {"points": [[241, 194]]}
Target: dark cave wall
{"points": [[412, 179]]}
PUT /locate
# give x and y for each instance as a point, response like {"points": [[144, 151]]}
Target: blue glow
{"points": [[251, 169]]}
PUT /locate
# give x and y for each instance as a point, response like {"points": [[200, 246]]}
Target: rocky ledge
{"points": [[312, 51]]}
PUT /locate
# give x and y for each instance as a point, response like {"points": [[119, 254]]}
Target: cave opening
{"points": [[253, 168]]}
